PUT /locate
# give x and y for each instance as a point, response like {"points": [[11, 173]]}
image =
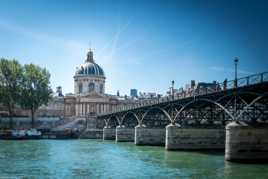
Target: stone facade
{"points": [[246, 142], [125, 134], [194, 138], [25, 122], [149, 136], [89, 96], [108, 133], [92, 134]]}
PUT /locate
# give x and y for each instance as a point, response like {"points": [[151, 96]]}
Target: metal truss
{"points": [[239, 104]]}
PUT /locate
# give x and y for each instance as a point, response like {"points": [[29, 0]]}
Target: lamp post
{"points": [[235, 86], [236, 63], [172, 89]]}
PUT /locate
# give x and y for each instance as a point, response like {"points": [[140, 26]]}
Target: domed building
{"points": [[89, 96], [89, 92], [89, 77]]}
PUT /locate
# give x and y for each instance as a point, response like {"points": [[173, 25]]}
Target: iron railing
{"points": [[218, 87]]}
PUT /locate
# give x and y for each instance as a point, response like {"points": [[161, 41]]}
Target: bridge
{"points": [[232, 115]]}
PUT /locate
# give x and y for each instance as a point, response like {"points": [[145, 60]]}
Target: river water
{"points": [[107, 159]]}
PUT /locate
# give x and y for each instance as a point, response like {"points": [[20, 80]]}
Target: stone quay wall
{"points": [[92, 134], [26, 122]]}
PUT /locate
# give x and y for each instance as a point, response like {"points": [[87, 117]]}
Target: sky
{"points": [[139, 44]]}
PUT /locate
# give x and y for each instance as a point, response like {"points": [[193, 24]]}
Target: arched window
{"points": [[91, 87], [80, 88], [101, 89]]}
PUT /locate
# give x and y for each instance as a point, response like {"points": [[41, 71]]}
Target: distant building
{"points": [[117, 93], [195, 88], [192, 84], [134, 93], [89, 88], [203, 87], [89, 95], [148, 95]]}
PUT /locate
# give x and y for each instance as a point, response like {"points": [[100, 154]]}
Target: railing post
{"points": [[235, 83], [225, 85]]}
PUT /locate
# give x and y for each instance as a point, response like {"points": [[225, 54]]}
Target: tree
{"points": [[36, 88], [10, 85]]}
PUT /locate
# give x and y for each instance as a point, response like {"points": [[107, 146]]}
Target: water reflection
{"points": [[245, 171]]}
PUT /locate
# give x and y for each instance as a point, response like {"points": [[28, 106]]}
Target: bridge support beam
{"points": [[149, 136], [124, 134], [246, 142], [108, 133], [178, 138]]}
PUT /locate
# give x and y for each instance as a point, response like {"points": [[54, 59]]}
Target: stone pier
{"points": [[246, 142], [179, 138], [149, 136], [108, 133], [124, 134]]}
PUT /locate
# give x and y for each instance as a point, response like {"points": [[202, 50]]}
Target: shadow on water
{"points": [[245, 171], [212, 152]]}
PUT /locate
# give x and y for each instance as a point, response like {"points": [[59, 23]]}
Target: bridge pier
{"points": [[124, 134], [108, 133], [178, 138], [246, 142], [149, 136]]}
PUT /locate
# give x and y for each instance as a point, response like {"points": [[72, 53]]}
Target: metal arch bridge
{"points": [[244, 99]]}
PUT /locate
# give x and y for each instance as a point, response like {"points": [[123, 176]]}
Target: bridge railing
{"points": [[226, 85]]}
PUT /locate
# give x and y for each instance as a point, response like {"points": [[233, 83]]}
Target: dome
{"points": [[90, 67]]}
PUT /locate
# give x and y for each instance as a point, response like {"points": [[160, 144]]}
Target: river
{"points": [[107, 159]]}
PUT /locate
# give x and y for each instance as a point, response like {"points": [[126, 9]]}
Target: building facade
{"points": [[89, 96], [89, 92]]}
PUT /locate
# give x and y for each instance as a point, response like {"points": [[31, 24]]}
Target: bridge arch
{"points": [[205, 100], [130, 113], [106, 121], [112, 121], [172, 105], [239, 93], [250, 104], [156, 108]]}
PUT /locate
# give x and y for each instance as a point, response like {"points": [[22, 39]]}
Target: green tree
{"points": [[36, 88], [10, 85]]}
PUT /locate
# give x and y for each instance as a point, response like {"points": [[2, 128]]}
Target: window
{"points": [[91, 87], [101, 88], [80, 88]]}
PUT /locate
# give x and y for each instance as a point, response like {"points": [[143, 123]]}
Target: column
{"points": [[194, 138], [149, 136], [246, 142]]}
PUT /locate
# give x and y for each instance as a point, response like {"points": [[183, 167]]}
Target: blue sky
{"points": [[139, 44]]}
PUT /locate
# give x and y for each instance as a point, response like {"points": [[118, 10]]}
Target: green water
{"points": [[98, 159]]}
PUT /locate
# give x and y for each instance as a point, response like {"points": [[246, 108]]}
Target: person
{"points": [[225, 84]]}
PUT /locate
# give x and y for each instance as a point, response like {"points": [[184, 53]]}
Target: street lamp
{"points": [[235, 62], [172, 89], [235, 86]]}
